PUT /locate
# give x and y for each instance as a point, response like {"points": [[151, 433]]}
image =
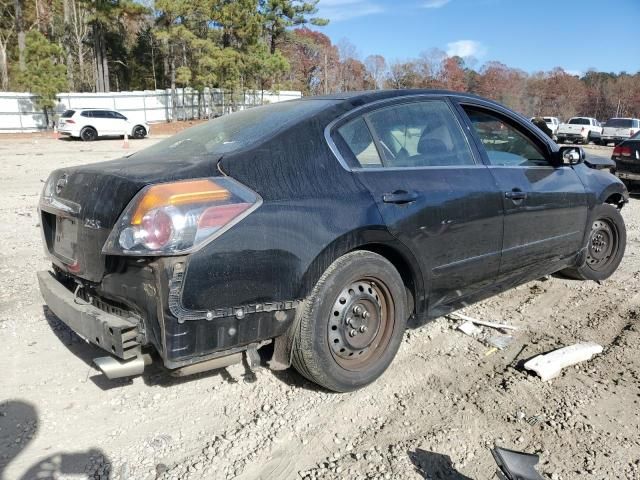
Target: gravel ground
{"points": [[434, 414]]}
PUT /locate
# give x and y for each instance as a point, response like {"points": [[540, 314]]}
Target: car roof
{"points": [[369, 96]]}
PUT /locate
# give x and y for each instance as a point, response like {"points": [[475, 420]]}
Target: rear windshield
{"points": [[579, 121], [548, 119], [68, 113], [237, 130], [620, 122]]}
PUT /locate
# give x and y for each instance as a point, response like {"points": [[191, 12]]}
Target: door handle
{"points": [[400, 197], [515, 194]]}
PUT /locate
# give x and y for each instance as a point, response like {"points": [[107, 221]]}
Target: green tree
{"points": [[43, 75], [279, 15]]}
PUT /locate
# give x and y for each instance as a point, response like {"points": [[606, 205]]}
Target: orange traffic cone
{"points": [[125, 143]]}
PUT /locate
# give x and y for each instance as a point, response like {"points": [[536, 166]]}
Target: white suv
{"points": [[89, 124]]}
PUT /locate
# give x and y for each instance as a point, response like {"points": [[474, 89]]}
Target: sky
{"points": [[532, 35]]}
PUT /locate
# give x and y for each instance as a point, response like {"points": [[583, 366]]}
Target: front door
{"points": [[545, 205], [431, 192]]}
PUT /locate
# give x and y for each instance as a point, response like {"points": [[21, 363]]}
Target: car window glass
{"points": [[504, 144], [67, 114], [579, 121], [358, 138], [97, 114], [619, 123], [118, 115], [86, 113], [420, 134]]}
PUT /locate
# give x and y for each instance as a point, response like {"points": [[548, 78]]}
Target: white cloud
{"points": [[434, 3], [576, 73], [338, 10], [466, 48]]}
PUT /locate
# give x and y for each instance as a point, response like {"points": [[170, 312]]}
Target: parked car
{"points": [[627, 158], [322, 224], [552, 124], [620, 129], [580, 130], [90, 124]]}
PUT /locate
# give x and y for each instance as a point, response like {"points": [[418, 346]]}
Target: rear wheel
{"points": [[351, 326], [139, 131], [605, 247], [88, 134]]}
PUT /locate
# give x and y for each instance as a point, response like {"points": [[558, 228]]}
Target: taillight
{"points": [[69, 121], [179, 217], [582, 131], [622, 151]]}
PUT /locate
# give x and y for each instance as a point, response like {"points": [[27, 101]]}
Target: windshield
{"points": [[579, 121], [235, 131], [620, 122]]}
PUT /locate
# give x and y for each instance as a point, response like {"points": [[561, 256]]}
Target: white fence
{"points": [[18, 112]]}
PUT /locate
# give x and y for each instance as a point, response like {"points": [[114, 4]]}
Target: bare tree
{"points": [[377, 67]]}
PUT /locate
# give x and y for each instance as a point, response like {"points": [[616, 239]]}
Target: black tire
{"points": [[587, 140], [139, 132], [88, 134], [605, 247], [325, 349]]}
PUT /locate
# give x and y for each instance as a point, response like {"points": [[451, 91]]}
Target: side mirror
{"points": [[570, 155]]}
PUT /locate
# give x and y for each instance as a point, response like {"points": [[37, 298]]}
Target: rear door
{"points": [[545, 205], [432, 192]]}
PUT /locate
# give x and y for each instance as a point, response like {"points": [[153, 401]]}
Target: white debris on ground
{"points": [[435, 413], [549, 365]]}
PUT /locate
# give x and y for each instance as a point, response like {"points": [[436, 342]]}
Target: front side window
{"points": [[504, 144]]}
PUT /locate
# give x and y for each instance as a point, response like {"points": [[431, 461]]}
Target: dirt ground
{"points": [[434, 414]]}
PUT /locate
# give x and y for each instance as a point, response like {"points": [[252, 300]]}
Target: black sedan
{"points": [[323, 225], [627, 158]]}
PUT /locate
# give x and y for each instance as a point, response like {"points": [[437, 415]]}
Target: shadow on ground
{"points": [[434, 465], [19, 425]]}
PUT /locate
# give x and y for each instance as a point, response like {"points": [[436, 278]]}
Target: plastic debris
{"points": [[549, 365], [500, 341], [470, 329]]}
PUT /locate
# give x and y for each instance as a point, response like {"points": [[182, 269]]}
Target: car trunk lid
{"points": [[80, 205]]}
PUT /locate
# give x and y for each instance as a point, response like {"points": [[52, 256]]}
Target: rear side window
{"points": [[357, 136], [68, 113], [620, 123], [420, 134], [87, 113]]}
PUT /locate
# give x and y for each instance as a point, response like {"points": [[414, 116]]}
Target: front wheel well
{"points": [[615, 199], [403, 268]]}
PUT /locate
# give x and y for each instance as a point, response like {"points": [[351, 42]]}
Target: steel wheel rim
{"points": [[361, 323], [603, 244]]}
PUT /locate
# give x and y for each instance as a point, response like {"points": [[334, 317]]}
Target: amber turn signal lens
{"points": [[179, 193]]}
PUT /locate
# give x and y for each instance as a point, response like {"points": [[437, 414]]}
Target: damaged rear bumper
{"points": [[114, 334]]}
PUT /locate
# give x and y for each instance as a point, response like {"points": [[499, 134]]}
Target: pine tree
{"points": [[43, 75]]}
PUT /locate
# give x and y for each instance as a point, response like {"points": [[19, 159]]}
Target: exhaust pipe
{"points": [[114, 368]]}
